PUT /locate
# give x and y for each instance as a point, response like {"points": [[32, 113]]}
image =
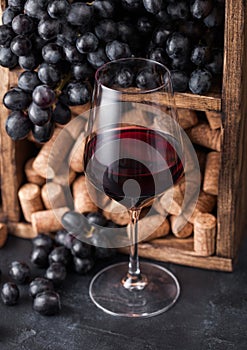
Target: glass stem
{"points": [[134, 280]]}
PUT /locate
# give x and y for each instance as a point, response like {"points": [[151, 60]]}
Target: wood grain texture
{"points": [[232, 180]]}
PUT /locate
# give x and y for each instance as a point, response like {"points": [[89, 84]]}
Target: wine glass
{"points": [[133, 154]]}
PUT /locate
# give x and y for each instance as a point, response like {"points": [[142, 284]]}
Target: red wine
{"points": [[146, 157]]}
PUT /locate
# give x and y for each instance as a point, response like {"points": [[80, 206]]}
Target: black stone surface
{"points": [[211, 314]]}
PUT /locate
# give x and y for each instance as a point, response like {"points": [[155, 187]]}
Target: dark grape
{"points": [[97, 58], [16, 5], [132, 5], [163, 17], [78, 93], [126, 31], [48, 28], [125, 77], [56, 273], [8, 15], [61, 113], [47, 303], [39, 116], [72, 54], [153, 6], [22, 24], [104, 8], [39, 285], [58, 8], [96, 219], [200, 55], [21, 45], [146, 79], [49, 74], [178, 10], [39, 257], [7, 58], [79, 14], [215, 17], [52, 53], [60, 237], [158, 55], [28, 81], [60, 255], [6, 35], [200, 81], [88, 42], [43, 240], [68, 34], [201, 8], [34, 8], [19, 272], [179, 80], [43, 133], [177, 45], [216, 64], [80, 249], [116, 49], [106, 30], [44, 96], [75, 222], [161, 34], [16, 99], [10, 293], [82, 71], [145, 25], [29, 62], [18, 125], [83, 265]]}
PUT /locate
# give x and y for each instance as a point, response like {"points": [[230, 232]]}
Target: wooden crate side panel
{"points": [[234, 108]]}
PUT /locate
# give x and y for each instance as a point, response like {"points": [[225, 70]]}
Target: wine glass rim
{"points": [[101, 68]]}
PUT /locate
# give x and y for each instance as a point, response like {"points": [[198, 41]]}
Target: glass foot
{"points": [[108, 293]]}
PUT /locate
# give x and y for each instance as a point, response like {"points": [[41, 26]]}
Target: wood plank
{"points": [[180, 251], [232, 181]]}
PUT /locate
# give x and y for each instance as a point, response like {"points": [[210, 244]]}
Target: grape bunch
{"points": [[56, 257], [60, 44]]}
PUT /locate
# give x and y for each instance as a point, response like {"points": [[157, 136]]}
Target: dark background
{"points": [[211, 313]]}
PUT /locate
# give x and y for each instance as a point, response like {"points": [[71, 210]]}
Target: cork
{"points": [[172, 200], [203, 135], [187, 118], [21, 229], [64, 177], [76, 156], [117, 213], [48, 220], [31, 175], [3, 234], [159, 208], [53, 195], [180, 228], [205, 204], [212, 171], [204, 234], [214, 119], [82, 199], [30, 200], [152, 227]]}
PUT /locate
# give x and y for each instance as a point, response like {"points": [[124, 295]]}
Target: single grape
{"points": [[200, 55], [35, 9], [49, 28], [7, 58], [10, 293], [49, 74], [79, 14], [78, 93], [97, 58], [153, 6], [72, 54], [16, 5], [47, 303], [200, 81], [96, 219], [6, 35], [38, 115], [18, 125], [60, 237], [39, 257], [19, 272], [29, 62], [104, 8], [28, 80], [52, 53], [39, 285], [116, 49], [146, 79], [125, 77], [8, 15], [22, 24], [215, 66], [80, 249], [43, 133], [158, 55], [179, 80], [21, 45], [43, 240], [201, 8], [126, 31], [178, 10], [58, 8], [60, 255], [83, 266], [56, 273], [75, 222], [215, 17], [177, 45], [88, 42], [145, 25], [82, 71], [43, 96], [16, 99], [161, 34], [106, 30], [61, 113], [68, 34]]}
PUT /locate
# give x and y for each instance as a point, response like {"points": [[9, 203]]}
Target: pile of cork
{"points": [[44, 211]]}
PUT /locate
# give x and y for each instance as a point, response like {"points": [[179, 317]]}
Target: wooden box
{"points": [[232, 198]]}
